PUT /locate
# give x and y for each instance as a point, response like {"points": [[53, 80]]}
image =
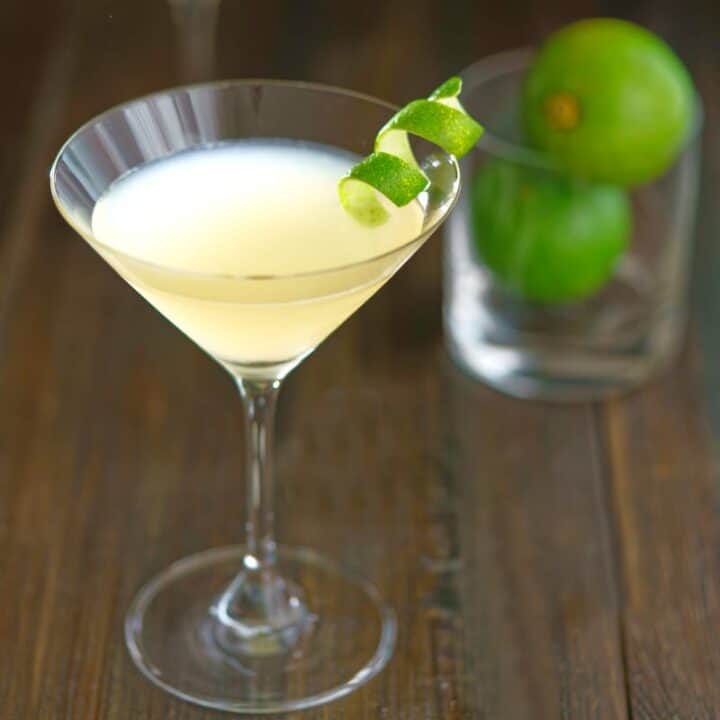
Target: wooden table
{"points": [[546, 562]]}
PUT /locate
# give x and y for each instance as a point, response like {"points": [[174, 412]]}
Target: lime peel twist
{"points": [[392, 169]]}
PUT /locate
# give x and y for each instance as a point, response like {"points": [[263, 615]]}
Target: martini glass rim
{"points": [[242, 83]]}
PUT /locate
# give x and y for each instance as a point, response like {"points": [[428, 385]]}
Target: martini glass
{"points": [[254, 628]]}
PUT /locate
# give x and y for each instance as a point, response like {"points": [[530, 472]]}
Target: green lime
{"points": [[550, 238], [609, 100]]}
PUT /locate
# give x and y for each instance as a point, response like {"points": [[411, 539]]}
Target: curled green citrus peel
{"points": [[392, 169]]}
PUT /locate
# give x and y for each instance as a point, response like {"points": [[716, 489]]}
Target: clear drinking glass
{"points": [[254, 628], [612, 341]]}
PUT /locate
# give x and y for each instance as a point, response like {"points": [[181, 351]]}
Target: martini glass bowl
{"points": [[252, 628]]}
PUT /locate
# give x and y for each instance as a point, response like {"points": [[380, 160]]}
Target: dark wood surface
{"points": [[546, 562]]}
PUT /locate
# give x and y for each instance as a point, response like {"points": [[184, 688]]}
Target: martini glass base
{"points": [[175, 640]]}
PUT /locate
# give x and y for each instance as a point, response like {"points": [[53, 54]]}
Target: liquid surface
{"points": [[242, 211], [246, 208]]}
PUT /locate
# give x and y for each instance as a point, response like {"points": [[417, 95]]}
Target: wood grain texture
{"points": [[663, 471], [24, 50], [538, 573], [662, 458], [545, 562]]}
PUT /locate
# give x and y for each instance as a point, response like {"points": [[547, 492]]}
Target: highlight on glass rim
{"points": [[358, 362]]}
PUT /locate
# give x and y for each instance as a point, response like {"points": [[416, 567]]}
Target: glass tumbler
{"points": [[626, 332]]}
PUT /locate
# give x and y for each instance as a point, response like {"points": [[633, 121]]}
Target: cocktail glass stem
{"points": [[260, 613], [259, 400]]}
